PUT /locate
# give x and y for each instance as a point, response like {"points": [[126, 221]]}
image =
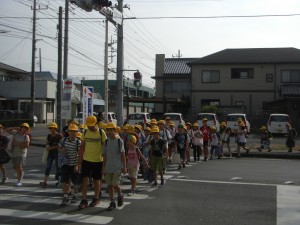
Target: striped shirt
{"points": [[71, 148]]}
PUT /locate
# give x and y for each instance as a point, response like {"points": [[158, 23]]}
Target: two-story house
{"points": [[254, 79]]}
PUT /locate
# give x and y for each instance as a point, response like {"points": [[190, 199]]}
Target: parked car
{"points": [[135, 118], [212, 120], [175, 117], [111, 117], [277, 123], [231, 121]]}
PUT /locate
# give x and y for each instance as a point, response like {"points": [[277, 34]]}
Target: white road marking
{"points": [[81, 218], [288, 205]]}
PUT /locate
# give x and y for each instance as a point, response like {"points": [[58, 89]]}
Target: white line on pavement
{"points": [[288, 205], [82, 218]]}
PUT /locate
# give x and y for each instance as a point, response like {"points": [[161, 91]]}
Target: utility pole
{"points": [[40, 56], [120, 65], [66, 40], [32, 89], [106, 91], [59, 70]]}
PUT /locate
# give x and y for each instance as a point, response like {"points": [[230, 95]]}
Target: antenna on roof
{"points": [[178, 55]]}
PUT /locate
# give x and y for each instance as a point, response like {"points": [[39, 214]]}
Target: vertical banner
{"points": [[66, 103], [87, 102]]}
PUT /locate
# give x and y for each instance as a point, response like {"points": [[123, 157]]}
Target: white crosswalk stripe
{"points": [[39, 199]]}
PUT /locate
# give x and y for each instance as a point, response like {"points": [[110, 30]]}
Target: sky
{"points": [[195, 27]]}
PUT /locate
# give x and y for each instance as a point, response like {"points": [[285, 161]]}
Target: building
{"points": [[255, 80]]}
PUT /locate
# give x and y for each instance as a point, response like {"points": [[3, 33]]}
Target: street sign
{"points": [[66, 99], [87, 102], [68, 84], [117, 16]]}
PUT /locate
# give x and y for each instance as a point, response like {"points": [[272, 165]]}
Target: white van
{"points": [[135, 118], [277, 123], [212, 120], [231, 121], [111, 117], [175, 117]]}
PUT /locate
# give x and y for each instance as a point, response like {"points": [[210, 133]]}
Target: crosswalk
{"points": [[22, 205]]}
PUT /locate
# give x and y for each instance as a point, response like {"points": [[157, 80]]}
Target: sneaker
{"points": [[120, 200], [269, 150], [247, 151], [205, 159], [111, 206], [43, 184], [74, 199], [95, 202], [183, 165], [18, 184], [4, 180], [83, 204], [155, 184], [179, 167], [65, 201]]}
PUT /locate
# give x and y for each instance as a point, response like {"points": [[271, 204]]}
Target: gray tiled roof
{"points": [[251, 55], [177, 66], [290, 90], [11, 68]]}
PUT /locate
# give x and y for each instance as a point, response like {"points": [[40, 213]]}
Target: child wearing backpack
{"points": [[68, 151], [133, 162], [265, 137]]}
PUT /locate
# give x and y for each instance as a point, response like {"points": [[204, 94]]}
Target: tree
{"points": [[209, 109]]}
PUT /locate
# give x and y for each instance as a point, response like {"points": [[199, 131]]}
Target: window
{"points": [[269, 77], [290, 76], [177, 86], [239, 103], [211, 76], [215, 102], [242, 73]]}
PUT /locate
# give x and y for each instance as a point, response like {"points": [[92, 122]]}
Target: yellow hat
{"points": [[25, 125], [263, 128], [82, 126], [91, 121], [153, 121], [188, 123], [204, 119], [111, 125], [130, 128], [167, 118], [53, 125], [161, 122], [102, 125], [154, 129], [147, 129], [241, 124], [223, 124], [118, 129], [139, 127], [131, 138], [72, 127], [195, 125], [75, 122], [213, 128], [125, 127], [171, 123], [239, 120], [78, 135], [1, 126]]}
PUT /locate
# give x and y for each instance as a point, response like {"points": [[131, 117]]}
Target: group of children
{"points": [[140, 148]]}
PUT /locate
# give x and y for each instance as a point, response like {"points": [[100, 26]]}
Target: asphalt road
{"points": [[227, 191]]}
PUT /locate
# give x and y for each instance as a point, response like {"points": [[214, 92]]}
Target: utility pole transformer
{"points": [[120, 65]]}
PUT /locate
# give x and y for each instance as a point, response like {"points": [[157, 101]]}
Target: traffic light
{"points": [[137, 79]]}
